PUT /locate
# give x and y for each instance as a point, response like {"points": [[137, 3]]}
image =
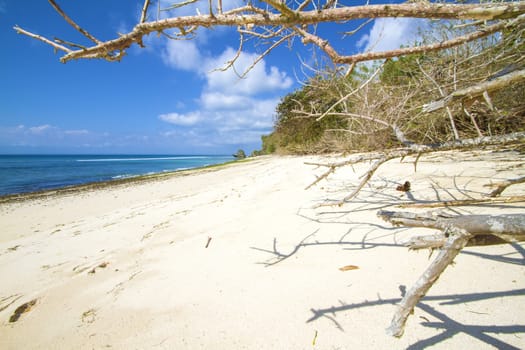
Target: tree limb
{"points": [[457, 233], [369, 56], [251, 15], [41, 38], [144, 11], [477, 90], [455, 242], [73, 24], [464, 202]]}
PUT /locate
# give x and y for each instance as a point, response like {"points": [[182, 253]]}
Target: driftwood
{"points": [[457, 232], [463, 202], [413, 149]]}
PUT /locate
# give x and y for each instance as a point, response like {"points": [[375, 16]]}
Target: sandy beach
{"points": [[243, 257]]}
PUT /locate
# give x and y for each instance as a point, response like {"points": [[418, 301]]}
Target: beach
{"points": [[241, 256]]}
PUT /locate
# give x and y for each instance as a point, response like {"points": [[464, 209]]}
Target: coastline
{"points": [[89, 186], [238, 256]]}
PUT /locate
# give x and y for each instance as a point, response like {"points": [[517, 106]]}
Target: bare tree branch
{"points": [[457, 233], [41, 38], [144, 11], [463, 202], [449, 113], [353, 92], [288, 17], [370, 56], [455, 242], [477, 90], [73, 24]]}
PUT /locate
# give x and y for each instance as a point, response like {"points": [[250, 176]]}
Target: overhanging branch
{"points": [[257, 16]]}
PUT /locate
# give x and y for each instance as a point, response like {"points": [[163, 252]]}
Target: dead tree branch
{"points": [[455, 242], [73, 24], [298, 19], [41, 38], [463, 202], [417, 149], [477, 90], [144, 11], [353, 92], [457, 232], [431, 47]]}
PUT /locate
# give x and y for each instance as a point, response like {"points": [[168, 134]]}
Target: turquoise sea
{"points": [[30, 173]]}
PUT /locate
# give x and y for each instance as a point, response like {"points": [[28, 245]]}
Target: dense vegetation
{"points": [[309, 120]]}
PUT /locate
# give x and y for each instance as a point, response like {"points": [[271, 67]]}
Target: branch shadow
{"points": [[449, 326], [503, 258], [277, 256], [378, 194]]}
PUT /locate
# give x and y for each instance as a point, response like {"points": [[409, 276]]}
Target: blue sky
{"points": [[165, 99]]}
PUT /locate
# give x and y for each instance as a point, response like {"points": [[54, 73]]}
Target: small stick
{"points": [[208, 242]]}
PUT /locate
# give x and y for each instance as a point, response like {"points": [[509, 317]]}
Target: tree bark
{"points": [[455, 242], [458, 232], [281, 16]]}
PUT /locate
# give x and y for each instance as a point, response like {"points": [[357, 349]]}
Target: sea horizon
{"points": [[26, 173]]}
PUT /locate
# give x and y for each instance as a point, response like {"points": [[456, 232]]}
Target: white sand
{"points": [[270, 277]]}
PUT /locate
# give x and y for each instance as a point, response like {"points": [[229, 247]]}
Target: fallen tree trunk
{"points": [[457, 232], [463, 202], [509, 227]]}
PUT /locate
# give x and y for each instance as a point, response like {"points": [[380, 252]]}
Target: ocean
{"points": [[31, 173]]}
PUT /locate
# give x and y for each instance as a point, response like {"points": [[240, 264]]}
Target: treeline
{"points": [[378, 107]]}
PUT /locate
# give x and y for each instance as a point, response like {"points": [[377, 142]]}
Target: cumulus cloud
{"points": [[181, 119], [182, 55], [390, 33], [226, 123], [230, 110], [215, 100], [185, 55], [40, 129], [76, 132], [259, 79]]}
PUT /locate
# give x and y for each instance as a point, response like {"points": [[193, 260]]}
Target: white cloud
{"points": [[228, 123], [182, 54], [362, 41], [390, 33], [76, 132], [40, 129], [181, 119], [219, 101], [231, 110], [258, 80], [185, 55]]}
